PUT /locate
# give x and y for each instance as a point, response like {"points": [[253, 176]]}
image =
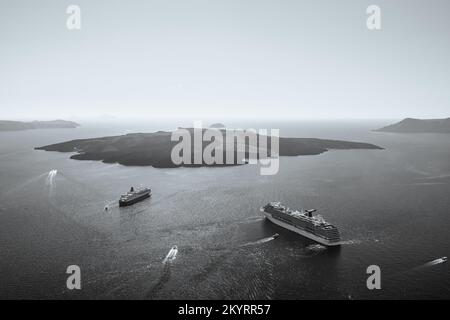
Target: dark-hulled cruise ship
{"points": [[303, 222], [134, 196]]}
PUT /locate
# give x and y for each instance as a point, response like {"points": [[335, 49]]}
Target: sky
{"points": [[241, 59]]}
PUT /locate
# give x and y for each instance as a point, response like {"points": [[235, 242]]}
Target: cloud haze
{"points": [[224, 58]]}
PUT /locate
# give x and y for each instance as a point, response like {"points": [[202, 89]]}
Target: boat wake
{"points": [[424, 266], [427, 183], [51, 177], [310, 250], [251, 219], [165, 273], [315, 248], [347, 242], [433, 263], [263, 240], [50, 181], [111, 205]]}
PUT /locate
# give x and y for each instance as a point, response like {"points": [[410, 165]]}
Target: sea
{"points": [[201, 235]]}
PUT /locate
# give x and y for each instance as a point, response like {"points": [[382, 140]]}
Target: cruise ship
{"points": [[134, 196], [303, 222]]}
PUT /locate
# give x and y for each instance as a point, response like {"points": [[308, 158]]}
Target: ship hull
{"points": [[301, 232], [135, 200]]}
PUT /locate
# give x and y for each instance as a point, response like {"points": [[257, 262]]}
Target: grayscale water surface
{"points": [[391, 206]]}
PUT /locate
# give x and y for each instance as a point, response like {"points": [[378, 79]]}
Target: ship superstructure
{"points": [[134, 196]]}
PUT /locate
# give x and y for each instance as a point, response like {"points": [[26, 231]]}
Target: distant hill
{"points": [[217, 125], [154, 149], [6, 125], [410, 125]]}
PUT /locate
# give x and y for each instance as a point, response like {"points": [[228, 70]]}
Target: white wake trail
{"points": [[50, 181], [51, 177], [23, 185], [434, 262], [428, 264], [264, 240], [315, 248], [351, 242]]}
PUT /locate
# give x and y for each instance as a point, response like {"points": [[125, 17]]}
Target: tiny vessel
{"points": [[133, 196], [276, 235], [302, 222]]}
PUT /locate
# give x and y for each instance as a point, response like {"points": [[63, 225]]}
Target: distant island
{"points": [[410, 125], [154, 149], [217, 126], [6, 125]]}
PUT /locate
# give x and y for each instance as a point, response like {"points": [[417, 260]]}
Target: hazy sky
{"points": [[224, 58]]}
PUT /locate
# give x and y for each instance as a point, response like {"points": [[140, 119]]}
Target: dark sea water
{"points": [[391, 206]]}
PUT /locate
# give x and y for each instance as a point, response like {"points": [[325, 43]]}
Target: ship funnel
{"points": [[310, 212], [132, 189]]}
